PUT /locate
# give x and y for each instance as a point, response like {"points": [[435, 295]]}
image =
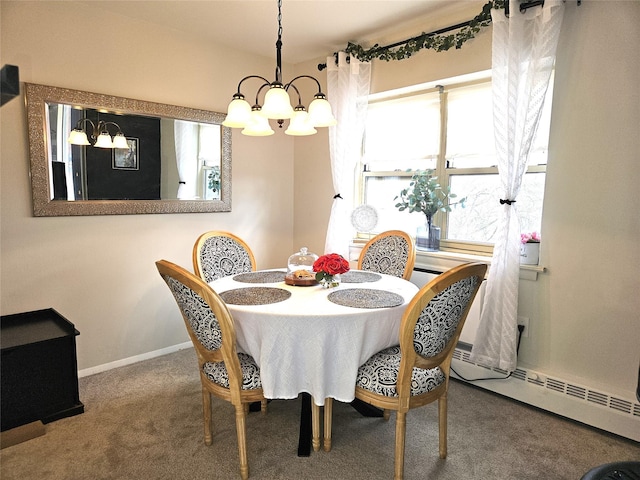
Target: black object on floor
{"points": [[304, 440], [614, 471], [38, 370], [256, 406], [365, 409]]}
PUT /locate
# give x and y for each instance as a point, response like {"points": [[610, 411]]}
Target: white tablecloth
{"points": [[306, 343]]}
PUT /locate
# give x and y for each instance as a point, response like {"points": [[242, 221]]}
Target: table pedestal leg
{"points": [[304, 440]]}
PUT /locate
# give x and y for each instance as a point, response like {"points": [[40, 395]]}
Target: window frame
{"points": [[442, 171]]}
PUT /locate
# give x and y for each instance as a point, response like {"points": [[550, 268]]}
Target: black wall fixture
{"points": [[9, 83]]}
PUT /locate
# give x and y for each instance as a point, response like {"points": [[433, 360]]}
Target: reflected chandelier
{"points": [[100, 135], [254, 120]]}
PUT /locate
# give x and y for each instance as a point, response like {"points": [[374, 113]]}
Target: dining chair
{"points": [[416, 372], [219, 254], [224, 373], [392, 252]]}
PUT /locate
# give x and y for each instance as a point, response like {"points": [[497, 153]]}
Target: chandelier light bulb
{"points": [[300, 124], [104, 141], [320, 112], [277, 104], [258, 125], [78, 137], [238, 113], [120, 141]]}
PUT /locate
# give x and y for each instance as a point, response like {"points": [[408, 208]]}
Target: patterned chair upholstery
{"points": [[220, 254], [392, 252], [225, 373], [416, 372]]}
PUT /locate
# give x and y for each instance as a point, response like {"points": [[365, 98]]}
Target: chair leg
{"points": [[442, 424], [386, 413], [242, 440], [401, 426], [206, 414], [315, 425], [328, 414], [263, 406]]}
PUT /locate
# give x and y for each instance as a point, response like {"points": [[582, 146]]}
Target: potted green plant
{"points": [[425, 195], [213, 181]]}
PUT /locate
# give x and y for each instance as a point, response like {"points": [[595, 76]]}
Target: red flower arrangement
{"points": [[329, 265]]}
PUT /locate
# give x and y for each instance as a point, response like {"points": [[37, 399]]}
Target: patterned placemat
{"points": [[365, 298], [359, 277], [260, 277], [255, 295]]}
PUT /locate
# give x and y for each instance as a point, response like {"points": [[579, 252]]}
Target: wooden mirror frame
{"points": [[38, 96]]}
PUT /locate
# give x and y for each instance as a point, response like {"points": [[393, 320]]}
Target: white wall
{"points": [[585, 309], [99, 271]]}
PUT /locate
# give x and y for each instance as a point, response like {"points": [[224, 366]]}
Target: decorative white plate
{"points": [[364, 218]]}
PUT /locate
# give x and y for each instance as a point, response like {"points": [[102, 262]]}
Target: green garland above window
{"points": [[435, 40]]}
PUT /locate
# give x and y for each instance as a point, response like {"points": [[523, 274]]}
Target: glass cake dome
{"points": [[302, 260]]}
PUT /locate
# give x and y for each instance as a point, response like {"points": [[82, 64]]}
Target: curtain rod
{"points": [[322, 66], [524, 6]]}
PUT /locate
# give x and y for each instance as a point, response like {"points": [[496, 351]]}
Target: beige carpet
{"points": [[144, 421]]}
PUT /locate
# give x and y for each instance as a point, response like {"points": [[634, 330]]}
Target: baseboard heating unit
{"points": [[598, 409]]}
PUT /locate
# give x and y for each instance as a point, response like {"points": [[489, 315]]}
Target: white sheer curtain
{"points": [[524, 47], [348, 88], [186, 138]]}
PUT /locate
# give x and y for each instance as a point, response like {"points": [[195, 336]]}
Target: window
{"points": [[448, 128], [209, 153]]}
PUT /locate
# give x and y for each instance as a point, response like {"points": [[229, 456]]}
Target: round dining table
{"points": [[311, 339]]}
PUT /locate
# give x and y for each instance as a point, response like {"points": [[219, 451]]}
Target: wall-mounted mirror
{"points": [[171, 160]]}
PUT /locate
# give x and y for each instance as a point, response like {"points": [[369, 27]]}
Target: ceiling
{"points": [[311, 28]]}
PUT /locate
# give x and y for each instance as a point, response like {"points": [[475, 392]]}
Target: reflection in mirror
{"points": [[174, 160]]}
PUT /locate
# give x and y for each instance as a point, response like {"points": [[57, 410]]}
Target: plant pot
{"points": [[428, 238], [529, 253]]}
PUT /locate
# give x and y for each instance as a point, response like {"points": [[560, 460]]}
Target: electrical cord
{"points": [[520, 330]]}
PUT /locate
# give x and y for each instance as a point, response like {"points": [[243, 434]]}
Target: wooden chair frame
{"points": [[197, 250], [410, 359], [411, 260], [227, 353]]}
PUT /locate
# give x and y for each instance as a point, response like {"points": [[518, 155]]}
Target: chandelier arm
{"points": [[260, 90], [266, 82], [290, 84], [81, 121], [297, 91], [104, 124]]}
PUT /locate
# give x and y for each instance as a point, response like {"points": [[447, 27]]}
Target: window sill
{"points": [[442, 261]]}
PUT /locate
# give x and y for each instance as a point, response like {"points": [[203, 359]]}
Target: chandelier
{"points": [[100, 136], [254, 120]]}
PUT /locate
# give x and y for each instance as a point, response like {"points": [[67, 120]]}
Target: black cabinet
{"points": [[39, 370]]}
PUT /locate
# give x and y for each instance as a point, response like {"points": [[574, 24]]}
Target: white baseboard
{"points": [[135, 359], [598, 409]]}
